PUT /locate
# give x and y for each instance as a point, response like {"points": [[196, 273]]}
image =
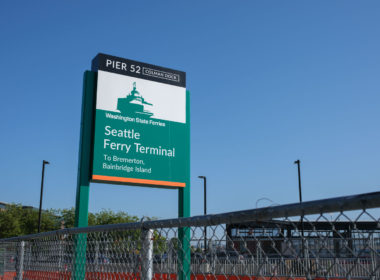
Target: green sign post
{"points": [[83, 183], [135, 130]]}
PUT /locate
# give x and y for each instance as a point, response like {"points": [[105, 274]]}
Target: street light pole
{"points": [[298, 162], [42, 189], [204, 206]]}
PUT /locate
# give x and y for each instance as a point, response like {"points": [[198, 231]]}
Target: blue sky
{"points": [[270, 82]]}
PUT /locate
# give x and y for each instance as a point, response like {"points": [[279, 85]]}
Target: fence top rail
{"points": [[338, 204]]}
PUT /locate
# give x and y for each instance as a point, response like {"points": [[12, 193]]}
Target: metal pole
{"points": [[147, 254], [96, 261], [42, 190], [204, 206], [298, 162], [20, 261]]}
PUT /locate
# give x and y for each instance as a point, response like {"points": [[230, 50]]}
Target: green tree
{"points": [[68, 216], [10, 221], [106, 217], [16, 220], [29, 220]]}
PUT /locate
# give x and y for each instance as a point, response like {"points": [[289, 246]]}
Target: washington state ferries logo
{"points": [[134, 104]]}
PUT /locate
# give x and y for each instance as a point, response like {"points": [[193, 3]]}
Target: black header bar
{"points": [[137, 69]]}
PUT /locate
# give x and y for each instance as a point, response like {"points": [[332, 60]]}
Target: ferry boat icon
{"points": [[134, 104]]}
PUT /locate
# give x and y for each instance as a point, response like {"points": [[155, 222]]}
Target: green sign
{"points": [[141, 128]]}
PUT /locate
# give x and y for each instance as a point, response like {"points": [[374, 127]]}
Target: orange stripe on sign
{"points": [[138, 181]]}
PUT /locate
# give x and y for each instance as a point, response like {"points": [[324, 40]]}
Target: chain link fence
{"points": [[335, 238]]}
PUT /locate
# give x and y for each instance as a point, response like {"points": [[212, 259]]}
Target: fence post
{"points": [[258, 258], [147, 254], [307, 259], [20, 262], [60, 254], [2, 260], [97, 255], [373, 257]]}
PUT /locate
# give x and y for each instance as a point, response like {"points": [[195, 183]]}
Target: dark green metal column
{"points": [[184, 211], [83, 184]]}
